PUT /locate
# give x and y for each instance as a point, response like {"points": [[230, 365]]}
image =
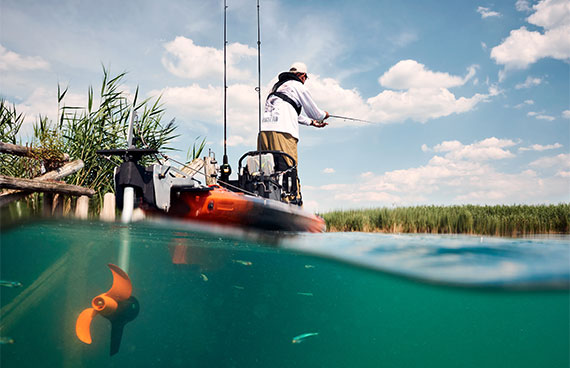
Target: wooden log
{"points": [[66, 206], [57, 205], [10, 196], [193, 168], [82, 208], [26, 151], [210, 170], [108, 211], [43, 186], [52, 205]]}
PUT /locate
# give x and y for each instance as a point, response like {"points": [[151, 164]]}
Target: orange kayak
{"points": [[220, 206]]}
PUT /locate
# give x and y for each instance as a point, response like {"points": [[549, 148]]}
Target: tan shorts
{"points": [[278, 141], [285, 142]]}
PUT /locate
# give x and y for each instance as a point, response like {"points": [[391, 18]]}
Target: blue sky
{"points": [[469, 99]]}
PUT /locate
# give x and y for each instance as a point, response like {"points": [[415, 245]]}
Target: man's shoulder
{"points": [[295, 85]]}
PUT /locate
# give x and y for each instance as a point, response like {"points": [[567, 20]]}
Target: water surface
{"points": [[224, 299]]}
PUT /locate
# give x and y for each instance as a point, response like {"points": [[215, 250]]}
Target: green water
{"points": [[217, 311]]}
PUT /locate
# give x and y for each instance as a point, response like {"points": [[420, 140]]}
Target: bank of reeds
{"points": [[500, 220]]}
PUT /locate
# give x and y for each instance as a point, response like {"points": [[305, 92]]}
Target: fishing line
{"points": [[352, 119]]}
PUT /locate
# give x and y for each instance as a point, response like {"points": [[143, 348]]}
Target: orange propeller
{"points": [[117, 305]]}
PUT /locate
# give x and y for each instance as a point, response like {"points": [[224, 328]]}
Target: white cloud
{"points": [[561, 161], [235, 140], [539, 147], [525, 103], [205, 105], [407, 74], [415, 93], [487, 149], [193, 100], [540, 116], [466, 174], [331, 96], [425, 99], [11, 61], [43, 101], [529, 82], [566, 114], [545, 117], [188, 60], [328, 170], [420, 104], [486, 12], [523, 5], [523, 47]]}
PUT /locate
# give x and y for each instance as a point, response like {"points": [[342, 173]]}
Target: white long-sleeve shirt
{"points": [[280, 116]]}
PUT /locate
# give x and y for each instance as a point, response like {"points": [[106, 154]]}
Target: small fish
{"points": [[10, 284], [309, 266], [6, 340], [299, 339], [305, 294], [238, 287], [245, 263], [204, 277]]}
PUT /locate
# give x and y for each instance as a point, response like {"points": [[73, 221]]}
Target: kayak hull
{"points": [[222, 207]]}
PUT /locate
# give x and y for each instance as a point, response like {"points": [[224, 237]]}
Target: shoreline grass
{"points": [[500, 220]]}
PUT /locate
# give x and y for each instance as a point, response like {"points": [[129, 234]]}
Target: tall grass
{"points": [[467, 219], [82, 130]]}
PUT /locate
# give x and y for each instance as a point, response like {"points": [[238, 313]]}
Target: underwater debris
{"points": [[304, 294], [204, 277], [299, 339], [6, 340], [10, 284], [238, 287], [309, 266], [245, 263]]}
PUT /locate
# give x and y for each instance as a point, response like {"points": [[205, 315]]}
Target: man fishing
{"points": [[282, 114]]}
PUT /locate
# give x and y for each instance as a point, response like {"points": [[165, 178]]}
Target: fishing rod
{"points": [[352, 119], [226, 170], [258, 89]]}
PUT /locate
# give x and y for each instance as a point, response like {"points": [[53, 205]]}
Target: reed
{"points": [[498, 220], [82, 130]]}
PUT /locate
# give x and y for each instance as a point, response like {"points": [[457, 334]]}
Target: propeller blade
{"points": [[122, 287], [117, 305], [83, 325]]}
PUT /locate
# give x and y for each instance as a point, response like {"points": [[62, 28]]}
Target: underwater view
{"points": [[211, 297]]}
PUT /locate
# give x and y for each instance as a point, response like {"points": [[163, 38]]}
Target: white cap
{"points": [[298, 67]]}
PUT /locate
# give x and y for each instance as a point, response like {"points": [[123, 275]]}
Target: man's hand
{"points": [[319, 124]]}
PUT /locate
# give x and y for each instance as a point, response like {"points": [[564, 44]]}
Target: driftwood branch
{"points": [[26, 151], [10, 196], [43, 186]]}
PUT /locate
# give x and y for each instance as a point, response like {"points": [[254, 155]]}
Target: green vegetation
{"points": [[81, 131], [468, 219]]}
